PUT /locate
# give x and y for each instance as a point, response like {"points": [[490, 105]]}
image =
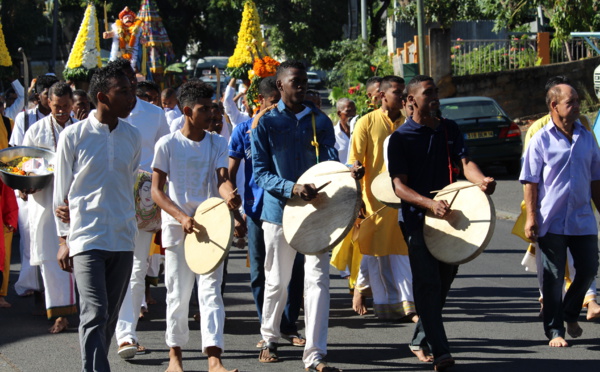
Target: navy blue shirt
{"points": [[422, 154]]}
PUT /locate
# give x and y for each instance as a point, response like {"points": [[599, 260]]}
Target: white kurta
{"points": [[95, 170], [44, 241]]}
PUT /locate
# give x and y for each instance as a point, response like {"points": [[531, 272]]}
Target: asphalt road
{"points": [[491, 320]]}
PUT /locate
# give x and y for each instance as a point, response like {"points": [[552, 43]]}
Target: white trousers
{"points": [[59, 289], [591, 292], [179, 280], [279, 259], [132, 303], [390, 278], [28, 276]]}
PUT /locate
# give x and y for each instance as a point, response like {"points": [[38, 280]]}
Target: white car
{"points": [[314, 81]]}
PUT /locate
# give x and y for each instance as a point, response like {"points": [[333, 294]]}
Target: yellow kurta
{"points": [[380, 235]]}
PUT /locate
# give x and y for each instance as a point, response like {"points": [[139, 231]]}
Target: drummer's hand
{"points": [[188, 224], [531, 230], [488, 185], [240, 228], [62, 212], [306, 192], [357, 171], [234, 202], [362, 212], [64, 261], [440, 208]]}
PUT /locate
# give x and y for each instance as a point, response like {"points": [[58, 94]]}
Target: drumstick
{"points": [[322, 187], [216, 205], [447, 191], [452, 201], [372, 214], [334, 172]]}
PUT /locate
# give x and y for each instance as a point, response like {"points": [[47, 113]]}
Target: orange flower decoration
{"points": [[265, 67]]}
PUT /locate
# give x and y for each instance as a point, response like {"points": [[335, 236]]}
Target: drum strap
{"points": [[452, 171], [314, 141]]}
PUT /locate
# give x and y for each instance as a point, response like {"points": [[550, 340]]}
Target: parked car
{"points": [[314, 81], [490, 135]]}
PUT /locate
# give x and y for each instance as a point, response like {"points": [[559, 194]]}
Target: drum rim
{"points": [[229, 240], [486, 240]]}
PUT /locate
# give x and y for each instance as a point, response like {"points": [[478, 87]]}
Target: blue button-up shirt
{"points": [[563, 171], [282, 152], [239, 147]]}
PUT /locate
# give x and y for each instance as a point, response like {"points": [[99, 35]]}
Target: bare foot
{"points": [[558, 342], [4, 303], [414, 318], [175, 360], [423, 357], [593, 310], [358, 303], [214, 360], [574, 330], [60, 324], [143, 312]]}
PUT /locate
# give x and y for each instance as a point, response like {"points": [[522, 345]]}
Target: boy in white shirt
{"points": [[195, 164]]}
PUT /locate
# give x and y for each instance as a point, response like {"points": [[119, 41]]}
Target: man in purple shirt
{"points": [[561, 173]]}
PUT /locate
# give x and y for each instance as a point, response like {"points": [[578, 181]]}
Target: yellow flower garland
{"points": [[79, 52], [5, 59], [248, 36]]}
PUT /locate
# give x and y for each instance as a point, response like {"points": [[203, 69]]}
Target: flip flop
{"points": [[295, 340], [271, 357], [314, 367]]}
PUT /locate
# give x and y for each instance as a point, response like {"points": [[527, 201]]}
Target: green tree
{"points": [[444, 12]]}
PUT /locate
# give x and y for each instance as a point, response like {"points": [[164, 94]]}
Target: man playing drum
{"points": [[282, 141], [195, 163], [421, 153]]}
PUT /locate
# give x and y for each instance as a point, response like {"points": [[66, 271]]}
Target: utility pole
{"points": [[421, 36], [363, 19], [52, 63]]}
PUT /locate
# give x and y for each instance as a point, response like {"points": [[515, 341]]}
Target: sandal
{"points": [[295, 339], [314, 367], [268, 353], [442, 365]]}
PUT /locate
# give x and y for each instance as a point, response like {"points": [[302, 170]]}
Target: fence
{"points": [[480, 56]]}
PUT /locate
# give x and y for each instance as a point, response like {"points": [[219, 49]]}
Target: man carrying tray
{"points": [[286, 141], [195, 163]]}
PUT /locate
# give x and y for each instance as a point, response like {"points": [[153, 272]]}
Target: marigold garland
{"points": [[249, 45], [5, 59]]}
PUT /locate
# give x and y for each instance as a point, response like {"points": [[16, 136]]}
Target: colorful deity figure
{"points": [[126, 37]]}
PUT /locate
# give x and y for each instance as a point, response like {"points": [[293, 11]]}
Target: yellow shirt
{"points": [[380, 235], [4, 133], [541, 122]]}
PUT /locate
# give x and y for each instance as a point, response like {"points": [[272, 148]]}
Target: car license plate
{"points": [[206, 72], [478, 135]]}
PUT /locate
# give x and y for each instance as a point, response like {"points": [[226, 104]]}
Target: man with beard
{"points": [[426, 142], [58, 284]]}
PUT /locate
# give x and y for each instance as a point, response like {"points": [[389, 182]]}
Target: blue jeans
{"points": [[557, 310], [102, 279], [431, 282], [256, 250]]}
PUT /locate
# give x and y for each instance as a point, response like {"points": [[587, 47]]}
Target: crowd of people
{"points": [[175, 148]]}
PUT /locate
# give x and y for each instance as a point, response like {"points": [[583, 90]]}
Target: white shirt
{"points": [[177, 124], [151, 121], [235, 115], [172, 114], [17, 106], [191, 173], [95, 171], [342, 143], [18, 133], [42, 228]]}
